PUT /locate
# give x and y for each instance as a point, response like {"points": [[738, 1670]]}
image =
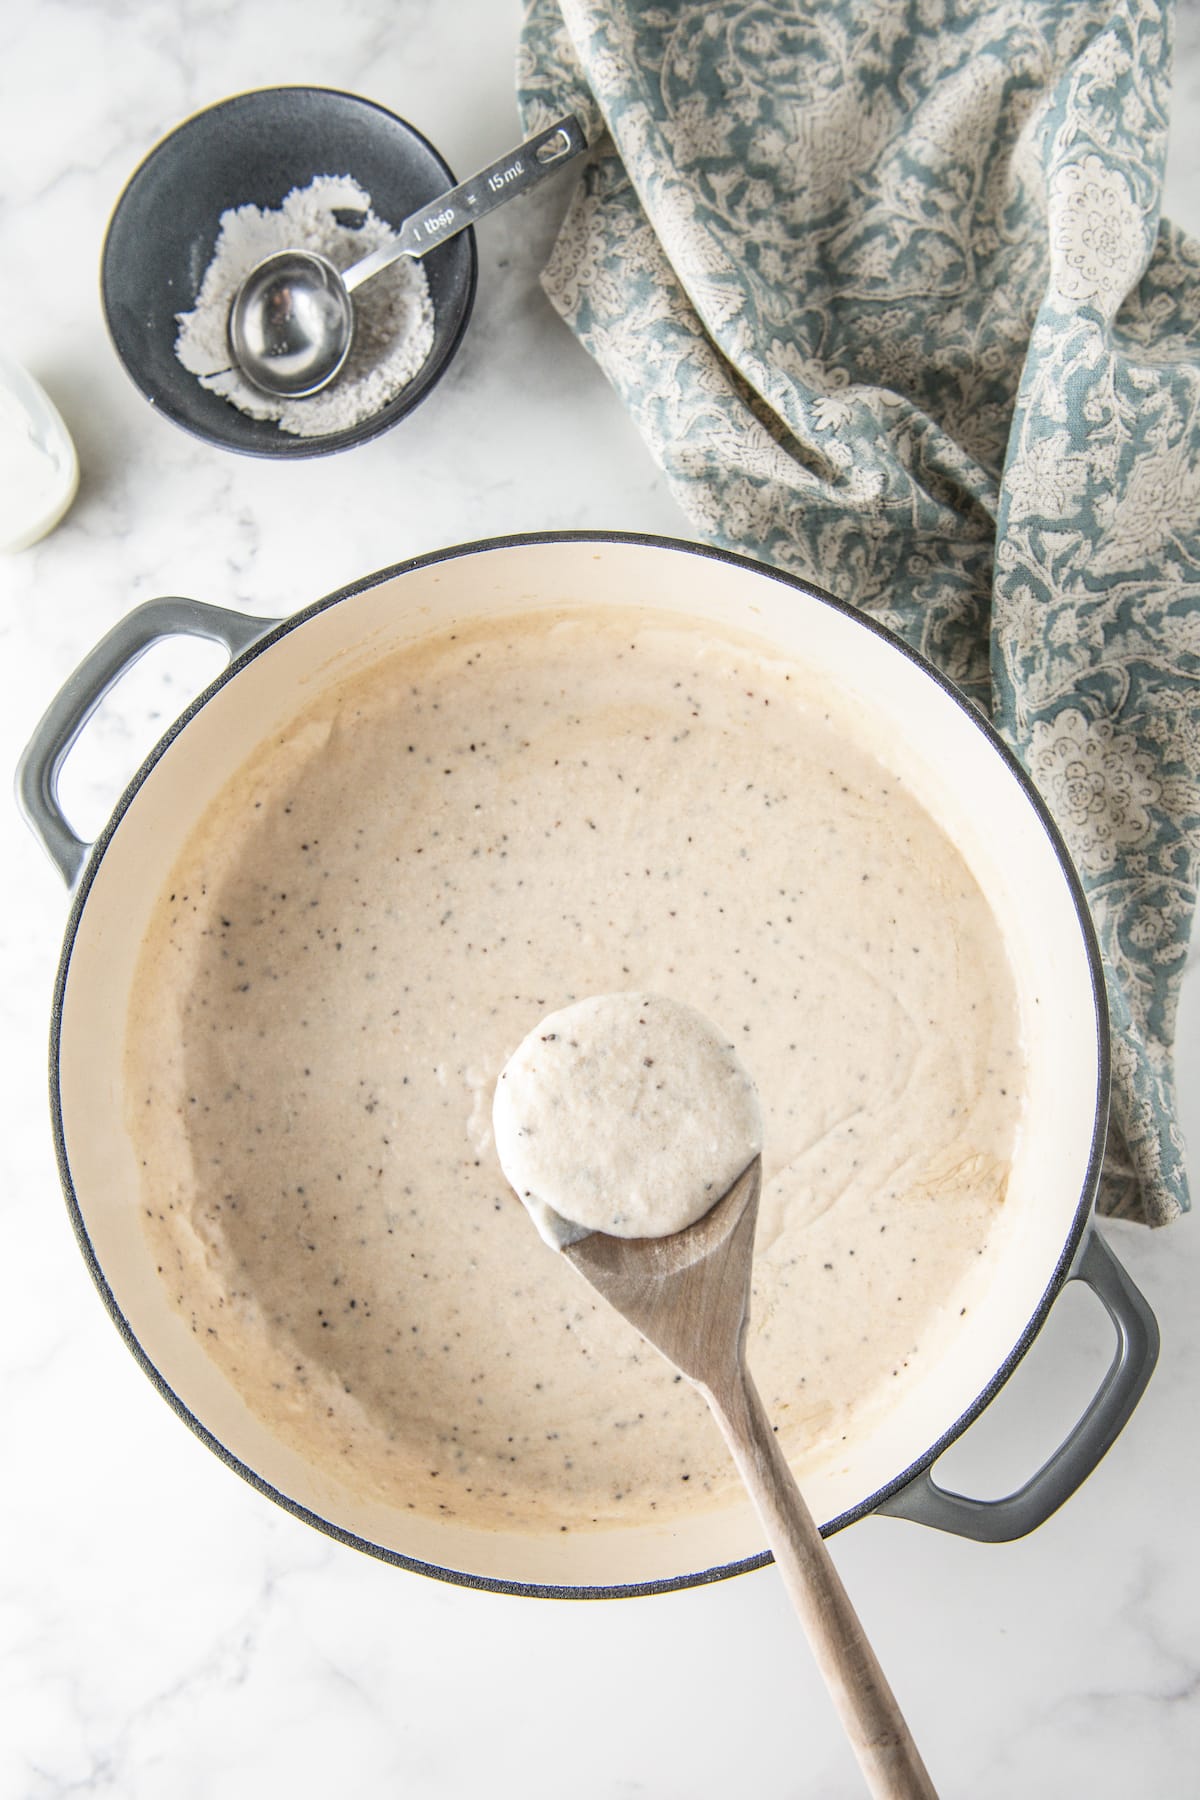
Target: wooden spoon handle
{"points": [[872, 1719]]}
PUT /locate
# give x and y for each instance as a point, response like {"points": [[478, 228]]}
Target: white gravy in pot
{"points": [[624, 1113], [385, 901]]}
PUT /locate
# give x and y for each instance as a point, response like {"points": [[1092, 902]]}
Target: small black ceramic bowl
{"points": [[254, 149]]}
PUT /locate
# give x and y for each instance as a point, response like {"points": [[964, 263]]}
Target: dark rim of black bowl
{"points": [[143, 331]]}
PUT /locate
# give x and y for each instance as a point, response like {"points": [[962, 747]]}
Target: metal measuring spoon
{"points": [[291, 324]]}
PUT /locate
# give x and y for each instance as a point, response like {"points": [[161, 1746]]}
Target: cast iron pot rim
{"points": [[722, 1571]]}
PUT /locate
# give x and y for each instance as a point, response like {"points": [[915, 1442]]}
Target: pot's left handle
{"points": [[82, 692]]}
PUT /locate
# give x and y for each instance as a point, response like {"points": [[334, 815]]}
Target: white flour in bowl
{"points": [[393, 330]]}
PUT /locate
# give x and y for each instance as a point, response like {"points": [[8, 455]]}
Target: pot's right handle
{"points": [[82, 692], [1105, 1416]]}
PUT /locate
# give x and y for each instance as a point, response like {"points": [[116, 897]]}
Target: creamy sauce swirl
{"points": [[625, 1113], [497, 822]]}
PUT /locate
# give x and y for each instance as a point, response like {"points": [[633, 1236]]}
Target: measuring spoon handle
{"points": [[471, 200]]}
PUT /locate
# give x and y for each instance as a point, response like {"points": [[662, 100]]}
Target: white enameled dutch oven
{"points": [[938, 743]]}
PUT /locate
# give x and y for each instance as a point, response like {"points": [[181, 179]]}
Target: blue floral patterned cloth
{"points": [[885, 286]]}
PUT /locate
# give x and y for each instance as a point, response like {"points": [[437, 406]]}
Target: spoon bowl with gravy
{"points": [[633, 1082]]}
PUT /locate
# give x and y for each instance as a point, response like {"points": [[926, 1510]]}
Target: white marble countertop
{"points": [[168, 1634]]}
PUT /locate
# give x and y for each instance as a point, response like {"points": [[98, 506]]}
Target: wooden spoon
{"points": [[689, 1295]]}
